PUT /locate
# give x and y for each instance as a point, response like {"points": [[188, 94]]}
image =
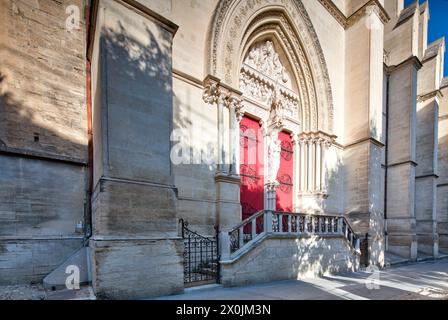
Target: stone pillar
{"points": [[442, 184], [429, 96], [318, 174], [220, 169], [401, 158], [303, 167], [363, 117], [426, 174], [324, 149], [296, 170], [134, 201], [227, 183], [310, 166], [234, 119]]}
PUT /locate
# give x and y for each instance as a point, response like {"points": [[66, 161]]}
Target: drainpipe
{"points": [[386, 157], [89, 182]]}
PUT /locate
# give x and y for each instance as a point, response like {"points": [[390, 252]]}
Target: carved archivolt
{"points": [[239, 22]]}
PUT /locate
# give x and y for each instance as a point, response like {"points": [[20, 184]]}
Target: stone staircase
{"points": [[273, 245], [266, 222]]}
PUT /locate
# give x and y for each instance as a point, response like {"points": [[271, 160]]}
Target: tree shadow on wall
{"points": [[138, 62], [23, 127]]}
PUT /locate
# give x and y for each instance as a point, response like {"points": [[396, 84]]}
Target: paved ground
{"points": [[38, 292], [425, 280]]}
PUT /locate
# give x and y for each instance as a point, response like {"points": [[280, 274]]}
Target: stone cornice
{"points": [[187, 78], [335, 12], [145, 11], [367, 8], [222, 177], [430, 95], [133, 5], [24, 153], [370, 7], [411, 60], [364, 140]]}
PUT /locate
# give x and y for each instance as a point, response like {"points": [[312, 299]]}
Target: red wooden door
{"points": [[284, 191], [251, 167]]}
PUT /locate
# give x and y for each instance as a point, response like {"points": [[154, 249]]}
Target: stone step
{"points": [[421, 256], [392, 259]]}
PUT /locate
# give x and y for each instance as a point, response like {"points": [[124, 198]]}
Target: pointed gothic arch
{"points": [[238, 24]]}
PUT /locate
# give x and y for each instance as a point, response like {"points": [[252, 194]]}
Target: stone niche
{"points": [[136, 250]]}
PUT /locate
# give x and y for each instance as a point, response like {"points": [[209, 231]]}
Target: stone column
{"points": [[303, 166], [442, 184], [234, 119], [325, 145], [426, 175], [310, 166], [134, 201], [401, 158], [221, 104], [227, 184], [318, 176], [296, 170], [363, 117]]}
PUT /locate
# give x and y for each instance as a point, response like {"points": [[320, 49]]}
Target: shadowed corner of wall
{"points": [[23, 131]]}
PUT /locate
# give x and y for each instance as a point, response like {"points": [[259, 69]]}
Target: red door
{"points": [[251, 167], [284, 191]]}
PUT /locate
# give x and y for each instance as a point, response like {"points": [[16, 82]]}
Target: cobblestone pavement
{"points": [[22, 292], [425, 280], [38, 292]]}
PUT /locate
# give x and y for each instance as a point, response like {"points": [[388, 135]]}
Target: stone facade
{"points": [[290, 258], [43, 139], [112, 131]]}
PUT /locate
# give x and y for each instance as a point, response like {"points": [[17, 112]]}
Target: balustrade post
{"points": [[357, 245], [268, 219], [241, 237], [313, 225], [340, 220], [346, 231], [289, 224], [280, 222], [224, 245], [306, 221], [254, 228], [325, 224]]}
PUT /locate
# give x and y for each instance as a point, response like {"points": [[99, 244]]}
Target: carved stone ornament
{"points": [[235, 23], [263, 58]]}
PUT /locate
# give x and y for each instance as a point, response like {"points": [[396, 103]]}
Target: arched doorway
{"points": [[269, 86], [268, 53]]}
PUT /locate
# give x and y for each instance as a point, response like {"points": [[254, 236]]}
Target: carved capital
{"points": [[317, 137], [211, 93]]}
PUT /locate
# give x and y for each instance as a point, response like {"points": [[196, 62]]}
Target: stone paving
{"points": [[425, 280]]}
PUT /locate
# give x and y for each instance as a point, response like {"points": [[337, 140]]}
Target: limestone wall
{"points": [[136, 251], [289, 258], [43, 137], [442, 182]]}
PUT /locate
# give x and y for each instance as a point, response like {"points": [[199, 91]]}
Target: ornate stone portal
{"points": [[268, 84]]}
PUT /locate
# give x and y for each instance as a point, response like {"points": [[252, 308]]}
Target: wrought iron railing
{"points": [[288, 223], [201, 257]]}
